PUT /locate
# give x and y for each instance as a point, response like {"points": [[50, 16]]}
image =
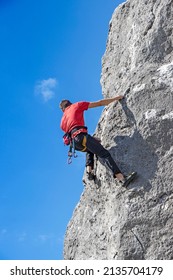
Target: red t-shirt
{"points": [[74, 116]]}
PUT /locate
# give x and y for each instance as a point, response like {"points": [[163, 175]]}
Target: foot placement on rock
{"points": [[128, 179]]}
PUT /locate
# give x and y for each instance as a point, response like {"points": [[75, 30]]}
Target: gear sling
{"points": [[69, 139]]}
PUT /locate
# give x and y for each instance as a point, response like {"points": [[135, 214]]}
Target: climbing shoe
{"points": [[91, 176], [128, 179]]}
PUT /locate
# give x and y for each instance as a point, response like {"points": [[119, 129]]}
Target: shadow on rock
{"points": [[132, 153]]}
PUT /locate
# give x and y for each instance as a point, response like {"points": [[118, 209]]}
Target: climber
{"points": [[73, 122]]}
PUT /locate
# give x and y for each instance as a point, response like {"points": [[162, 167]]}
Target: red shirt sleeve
{"points": [[83, 105]]}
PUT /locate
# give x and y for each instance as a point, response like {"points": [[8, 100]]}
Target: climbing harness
{"points": [[69, 139], [77, 130]]}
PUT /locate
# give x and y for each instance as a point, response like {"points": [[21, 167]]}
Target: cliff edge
{"points": [[109, 221]]}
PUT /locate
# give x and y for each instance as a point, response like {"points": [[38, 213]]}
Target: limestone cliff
{"points": [[110, 222]]}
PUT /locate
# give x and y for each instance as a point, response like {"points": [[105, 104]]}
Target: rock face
{"points": [[110, 222]]}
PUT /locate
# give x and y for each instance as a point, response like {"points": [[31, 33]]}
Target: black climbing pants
{"points": [[93, 146]]}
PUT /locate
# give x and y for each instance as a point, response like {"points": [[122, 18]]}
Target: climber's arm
{"points": [[104, 102]]}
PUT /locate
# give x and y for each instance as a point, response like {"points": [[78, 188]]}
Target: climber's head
{"points": [[64, 104]]}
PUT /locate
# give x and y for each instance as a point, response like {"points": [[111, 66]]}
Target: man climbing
{"points": [[72, 122]]}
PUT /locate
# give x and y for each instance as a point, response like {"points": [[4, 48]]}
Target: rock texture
{"points": [[110, 222]]}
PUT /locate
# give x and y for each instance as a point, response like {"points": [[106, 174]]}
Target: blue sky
{"points": [[50, 50]]}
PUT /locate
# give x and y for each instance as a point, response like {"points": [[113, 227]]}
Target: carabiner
{"points": [[75, 155], [69, 160]]}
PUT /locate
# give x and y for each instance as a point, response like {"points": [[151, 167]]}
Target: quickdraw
{"points": [[68, 139], [71, 152]]}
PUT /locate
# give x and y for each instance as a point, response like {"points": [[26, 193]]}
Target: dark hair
{"points": [[64, 104]]}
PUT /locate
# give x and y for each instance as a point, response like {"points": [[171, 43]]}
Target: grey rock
{"points": [[110, 222]]}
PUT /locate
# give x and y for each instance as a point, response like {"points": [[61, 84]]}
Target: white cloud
{"points": [[45, 88]]}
